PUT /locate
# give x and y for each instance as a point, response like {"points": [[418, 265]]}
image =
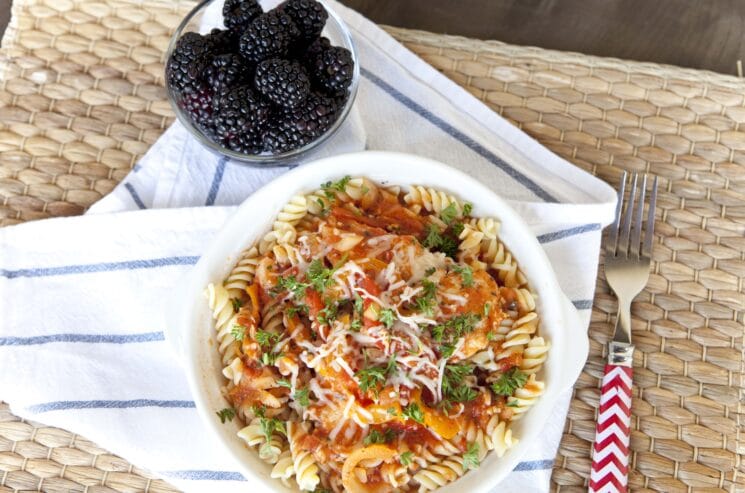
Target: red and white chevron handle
{"points": [[610, 455]]}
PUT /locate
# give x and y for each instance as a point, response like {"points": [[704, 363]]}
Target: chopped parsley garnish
{"points": [[269, 359], [290, 284], [266, 339], [328, 313], [376, 436], [294, 310], [238, 332], [359, 305], [338, 186], [392, 411], [430, 271], [487, 309], [268, 427], [457, 229], [441, 242], [449, 213], [226, 414], [283, 382], [259, 411], [413, 411], [426, 302], [324, 208], [467, 208], [364, 189], [453, 389], [319, 275], [471, 457], [237, 304], [405, 457], [513, 404], [490, 336], [446, 350], [387, 317], [371, 378], [466, 274], [355, 325], [454, 328], [509, 381], [302, 397]]}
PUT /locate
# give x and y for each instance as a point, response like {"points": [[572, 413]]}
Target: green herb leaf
{"points": [[267, 339], [467, 208], [328, 313], [487, 309], [449, 213], [271, 425], [405, 457], [466, 274], [238, 332], [471, 457], [339, 186], [376, 436], [430, 271], [513, 404], [454, 328], [509, 381], [412, 411], [269, 359], [359, 305], [294, 310], [387, 317], [319, 275], [237, 304], [392, 411], [259, 411], [302, 397], [453, 388], [446, 350], [226, 414], [372, 378], [457, 229], [355, 326], [292, 285], [283, 382]]}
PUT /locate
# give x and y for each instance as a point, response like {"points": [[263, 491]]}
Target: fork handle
{"points": [[610, 455]]}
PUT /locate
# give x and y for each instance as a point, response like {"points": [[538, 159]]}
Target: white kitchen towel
{"points": [[81, 299]]}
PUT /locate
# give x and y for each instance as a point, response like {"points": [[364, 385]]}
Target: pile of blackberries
{"points": [[269, 83]]}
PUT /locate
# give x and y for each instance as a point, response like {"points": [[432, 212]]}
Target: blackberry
{"points": [[333, 69], [240, 116], [294, 128], [190, 57], [280, 138], [238, 14], [314, 117], [285, 83], [226, 71], [309, 53], [269, 35], [198, 105], [308, 15], [223, 41]]}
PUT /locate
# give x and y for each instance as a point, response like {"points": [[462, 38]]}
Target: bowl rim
{"points": [[267, 160], [568, 337]]}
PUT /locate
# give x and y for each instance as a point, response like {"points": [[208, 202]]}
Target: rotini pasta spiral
{"points": [[432, 200], [306, 470], [498, 436], [284, 469], [439, 474]]}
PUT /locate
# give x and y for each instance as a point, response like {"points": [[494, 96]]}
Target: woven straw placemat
{"points": [[82, 99]]}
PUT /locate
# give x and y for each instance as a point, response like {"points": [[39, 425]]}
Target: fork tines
{"points": [[625, 236]]}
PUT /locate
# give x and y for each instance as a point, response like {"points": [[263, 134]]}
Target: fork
{"points": [[627, 260]]}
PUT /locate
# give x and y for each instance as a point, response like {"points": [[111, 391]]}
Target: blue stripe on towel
{"points": [[457, 134], [204, 475], [216, 181], [566, 233], [99, 267], [85, 338], [582, 304], [106, 404], [135, 196], [534, 465]]}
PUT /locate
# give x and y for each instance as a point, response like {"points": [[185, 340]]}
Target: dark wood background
{"points": [[707, 34]]}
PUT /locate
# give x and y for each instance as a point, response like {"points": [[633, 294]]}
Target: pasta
{"points": [[377, 339]]}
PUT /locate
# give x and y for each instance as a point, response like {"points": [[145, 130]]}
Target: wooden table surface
{"points": [[690, 33]]}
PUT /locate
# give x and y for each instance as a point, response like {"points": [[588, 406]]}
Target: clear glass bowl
{"points": [[206, 16]]}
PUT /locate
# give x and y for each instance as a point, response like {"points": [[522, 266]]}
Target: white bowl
{"points": [[191, 329]]}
